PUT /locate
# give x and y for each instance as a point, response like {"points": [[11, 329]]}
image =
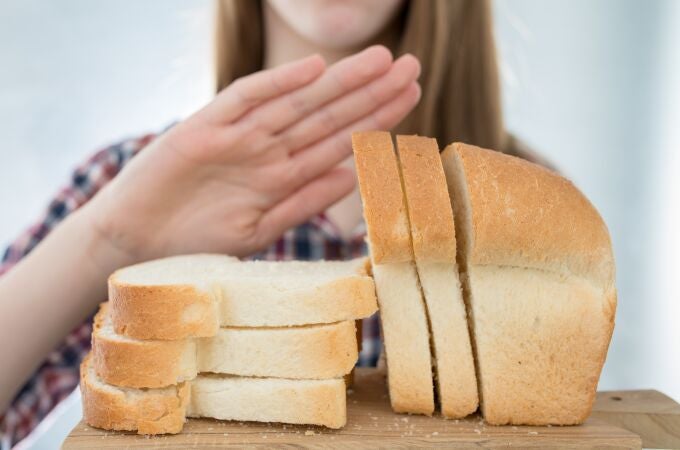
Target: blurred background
{"points": [[592, 85]]}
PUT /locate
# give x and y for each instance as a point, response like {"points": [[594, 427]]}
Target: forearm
{"points": [[49, 293]]}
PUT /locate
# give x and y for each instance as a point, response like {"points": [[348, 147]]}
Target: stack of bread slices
{"points": [[211, 336], [495, 281]]}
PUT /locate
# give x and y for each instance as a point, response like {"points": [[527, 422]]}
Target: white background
{"points": [[593, 85]]}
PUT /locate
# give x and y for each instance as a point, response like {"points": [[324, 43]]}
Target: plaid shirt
{"points": [[58, 374]]}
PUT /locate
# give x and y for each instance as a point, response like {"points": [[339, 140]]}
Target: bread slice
{"points": [[434, 245], [305, 352], [539, 277], [402, 309], [193, 295], [148, 411], [164, 410]]}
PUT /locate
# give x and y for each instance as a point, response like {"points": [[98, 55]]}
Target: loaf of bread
{"points": [[539, 274], [513, 283]]}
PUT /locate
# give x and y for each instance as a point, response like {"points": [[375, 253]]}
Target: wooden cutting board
{"points": [[370, 423]]}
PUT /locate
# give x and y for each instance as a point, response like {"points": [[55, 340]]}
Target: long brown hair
{"points": [[453, 39]]}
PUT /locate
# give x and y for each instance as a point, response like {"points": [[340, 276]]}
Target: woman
{"points": [[264, 170]]}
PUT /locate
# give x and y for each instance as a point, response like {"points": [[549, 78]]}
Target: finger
{"points": [[326, 154], [340, 79], [311, 199], [352, 107], [247, 92]]}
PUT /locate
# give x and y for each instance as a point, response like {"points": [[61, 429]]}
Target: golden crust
{"points": [[524, 215], [156, 412], [162, 312], [383, 200], [428, 204], [137, 363]]}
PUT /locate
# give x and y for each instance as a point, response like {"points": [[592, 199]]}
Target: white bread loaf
{"points": [[402, 309], [193, 295], [434, 245], [304, 352], [164, 410], [539, 279]]}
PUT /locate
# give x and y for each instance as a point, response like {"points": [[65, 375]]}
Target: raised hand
{"points": [[260, 158]]}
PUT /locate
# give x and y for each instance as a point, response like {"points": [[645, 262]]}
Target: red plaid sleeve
{"points": [[58, 374]]}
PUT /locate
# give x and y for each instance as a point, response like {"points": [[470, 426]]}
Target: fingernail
{"points": [[317, 58], [379, 49], [419, 92], [415, 60]]}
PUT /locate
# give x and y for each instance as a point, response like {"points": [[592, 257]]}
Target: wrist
{"points": [[101, 242]]}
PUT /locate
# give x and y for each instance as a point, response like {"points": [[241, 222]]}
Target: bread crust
{"points": [[315, 352], [428, 204], [162, 312], [382, 197], [155, 412], [532, 240], [140, 363], [524, 215]]}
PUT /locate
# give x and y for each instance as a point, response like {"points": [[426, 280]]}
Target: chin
{"points": [[336, 24], [342, 26]]}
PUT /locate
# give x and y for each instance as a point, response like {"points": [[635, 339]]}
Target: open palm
{"points": [[260, 158]]}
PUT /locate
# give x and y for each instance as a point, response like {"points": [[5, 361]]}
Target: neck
{"points": [[283, 44]]}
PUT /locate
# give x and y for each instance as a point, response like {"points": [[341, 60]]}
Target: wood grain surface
{"points": [[371, 423], [652, 415]]}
